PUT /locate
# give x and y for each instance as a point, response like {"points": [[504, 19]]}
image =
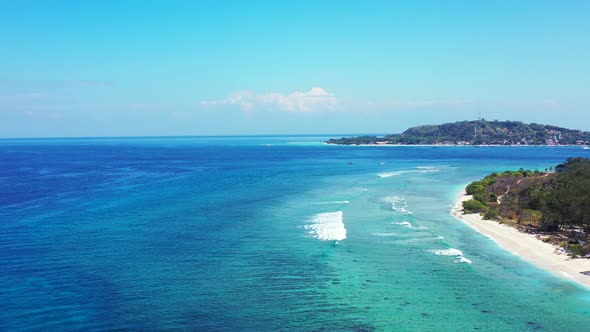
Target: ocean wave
{"points": [[446, 252], [388, 234], [427, 169], [398, 204], [407, 224], [414, 235], [392, 199], [334, 202], [462, 259], [403, 223], [389, 174], [327, 226], [419, 169], [458, 254], [401, 210], [420, 239]]}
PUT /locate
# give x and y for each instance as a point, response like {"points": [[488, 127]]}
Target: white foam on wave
{"points": [[428, 168], [458, 254], [462, 259], [389, 174], [387, 234], [446, 252], [398, 205], [420, 239], [408, 235], [419, 169], [327, 226], [403, 223], [407, 224], [401, 210], [391, 199], [334, 202]]}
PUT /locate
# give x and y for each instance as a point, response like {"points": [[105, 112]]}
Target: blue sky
{"points": [[128, 68]]}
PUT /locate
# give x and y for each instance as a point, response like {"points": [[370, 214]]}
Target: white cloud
{"points": [[315, 99]]}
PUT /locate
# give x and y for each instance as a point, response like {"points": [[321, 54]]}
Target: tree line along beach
{"points": [[541, 216]]}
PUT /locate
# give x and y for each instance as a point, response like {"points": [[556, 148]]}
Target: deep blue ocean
{"points": [[262, 234]]}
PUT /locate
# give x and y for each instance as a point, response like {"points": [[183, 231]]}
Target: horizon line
{"points": [[180, 136]]}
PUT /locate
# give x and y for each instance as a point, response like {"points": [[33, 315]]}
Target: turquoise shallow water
{"points": [[262, 233]]}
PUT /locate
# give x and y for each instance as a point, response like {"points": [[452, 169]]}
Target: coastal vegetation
{"points": [[554, 204], [480, 132]]}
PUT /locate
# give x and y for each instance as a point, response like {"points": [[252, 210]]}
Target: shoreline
{"points": [[527, 246], [462, 145]]}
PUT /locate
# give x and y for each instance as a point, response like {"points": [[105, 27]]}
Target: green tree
{"points": [[473, 206]]}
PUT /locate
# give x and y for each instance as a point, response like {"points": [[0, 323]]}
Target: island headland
{"points": [[479, 132], [544, 217]]}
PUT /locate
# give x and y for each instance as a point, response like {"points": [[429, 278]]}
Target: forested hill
{"points": [[534, 201], [478, 132]]}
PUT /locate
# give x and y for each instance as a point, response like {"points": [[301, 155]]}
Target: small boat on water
{"points": [[586, 147]]}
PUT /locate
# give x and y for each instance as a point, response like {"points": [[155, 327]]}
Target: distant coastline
{"points": [[476, 133], [458, 145], [527, 246]]}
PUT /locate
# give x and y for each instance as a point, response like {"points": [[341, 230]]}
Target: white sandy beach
{"points": [[527, 246]]}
